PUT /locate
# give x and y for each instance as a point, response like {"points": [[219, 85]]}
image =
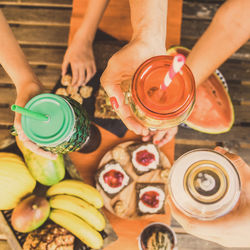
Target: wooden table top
{"points": [[127, 230]]}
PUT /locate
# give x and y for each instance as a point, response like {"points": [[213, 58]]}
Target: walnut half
{"points": [[119, 207]]}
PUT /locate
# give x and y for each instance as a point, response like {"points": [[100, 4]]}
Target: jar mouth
{"points": [[204, 200], [60, 126], [173, 102]]}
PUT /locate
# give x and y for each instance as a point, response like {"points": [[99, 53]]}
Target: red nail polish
{"points": [[114, 102], [157, 142]]}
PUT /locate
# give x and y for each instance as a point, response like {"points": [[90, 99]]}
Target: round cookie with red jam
{"points": [[150, 198], [145, 157], [112, 178]]}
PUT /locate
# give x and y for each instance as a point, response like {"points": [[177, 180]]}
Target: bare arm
{"points": [[13, 59], [149, 20], [80, 53], [91, 20], [27, 84], [228, 31]]}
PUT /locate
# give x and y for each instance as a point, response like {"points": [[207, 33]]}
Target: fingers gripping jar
{"points": [[156, 108], [67, 129]]}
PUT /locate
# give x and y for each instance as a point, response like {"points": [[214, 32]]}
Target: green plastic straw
{"points": [[31, 114]]}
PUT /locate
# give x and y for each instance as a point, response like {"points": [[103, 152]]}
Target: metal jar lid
{"points": [[59, 126]]}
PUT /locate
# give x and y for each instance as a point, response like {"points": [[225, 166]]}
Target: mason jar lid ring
{"points": [[138, 92]]}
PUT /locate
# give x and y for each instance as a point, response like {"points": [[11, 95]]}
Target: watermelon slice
{"points": [[213, 111]]}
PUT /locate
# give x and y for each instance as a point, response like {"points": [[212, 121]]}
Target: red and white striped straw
{"points": [[178, 62]]}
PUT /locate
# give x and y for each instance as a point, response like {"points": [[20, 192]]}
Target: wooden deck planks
{"points": [[6, 140], [59, 2], [47, 75], [6, 117], [188, 242], [192, 135], [37, 16], [41, 35], [44, 37], [39, 3]]}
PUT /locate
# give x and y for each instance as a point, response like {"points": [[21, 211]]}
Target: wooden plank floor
{"points": [[42, 26]]}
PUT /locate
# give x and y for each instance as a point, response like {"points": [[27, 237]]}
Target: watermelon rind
{"points": [[174, 50]]}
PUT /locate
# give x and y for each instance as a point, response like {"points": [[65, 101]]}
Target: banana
{"points": [[78, 227], [79, 189], [80, 208]]}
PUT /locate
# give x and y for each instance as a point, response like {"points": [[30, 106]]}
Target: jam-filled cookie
{"points": [[112, 178], [150, 198]]}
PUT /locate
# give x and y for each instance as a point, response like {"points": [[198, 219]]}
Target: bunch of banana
{"points": [[75, 207]]}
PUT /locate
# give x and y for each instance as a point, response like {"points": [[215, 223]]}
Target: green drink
{"points": [[67, 128]]}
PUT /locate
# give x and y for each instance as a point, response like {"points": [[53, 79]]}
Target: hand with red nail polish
{"points": [[114, 103], [148, 40], [119, 73]]}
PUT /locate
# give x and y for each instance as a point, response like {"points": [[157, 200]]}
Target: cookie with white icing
{"points": [[145, 157], [112, 178], [150, 198]]}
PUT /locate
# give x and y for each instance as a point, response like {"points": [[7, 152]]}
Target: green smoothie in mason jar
{"points": [[66, 129]]}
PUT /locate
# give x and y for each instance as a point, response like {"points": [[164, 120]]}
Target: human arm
{"points": [[231, 230], [13, 60], [148, 19], [80, 52], [228, 31], [27, 85]]}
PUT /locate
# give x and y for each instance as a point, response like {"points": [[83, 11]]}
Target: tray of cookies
{"points": [[132, 178]]}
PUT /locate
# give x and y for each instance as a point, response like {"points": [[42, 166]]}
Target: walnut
{"points": [[164, 174], [62, 91], [71, 90], [164, 161], [103, 108], [120, 155], [77, 97], [86, 91], [66, 80], [119, 207]]}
